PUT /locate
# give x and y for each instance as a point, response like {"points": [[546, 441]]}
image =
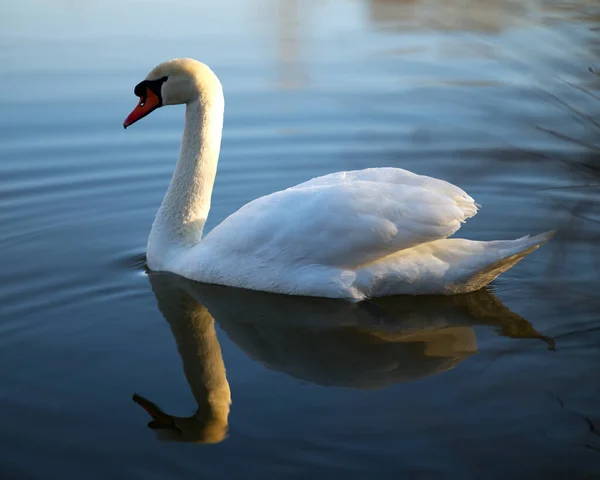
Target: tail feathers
{"points": [[447, 266], [540, 238], [511, 252], [526, 242]]}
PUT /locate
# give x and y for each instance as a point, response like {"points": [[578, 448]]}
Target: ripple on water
{"points": [[461, 92]]}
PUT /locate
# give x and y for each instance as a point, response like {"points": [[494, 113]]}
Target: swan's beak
{"points": [[146, 105]]}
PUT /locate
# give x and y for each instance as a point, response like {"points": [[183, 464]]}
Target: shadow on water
{"points": [[367, 345]]}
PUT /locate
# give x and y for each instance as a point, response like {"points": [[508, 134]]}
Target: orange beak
{"points": [[146, 105]]}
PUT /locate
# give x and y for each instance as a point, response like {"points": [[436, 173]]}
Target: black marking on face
{"points": [[152, 85]]}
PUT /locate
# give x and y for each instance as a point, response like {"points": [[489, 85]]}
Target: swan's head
{"points": [[181, 80]]}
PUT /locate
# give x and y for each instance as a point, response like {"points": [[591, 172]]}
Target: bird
{"points": [[353, 235]]}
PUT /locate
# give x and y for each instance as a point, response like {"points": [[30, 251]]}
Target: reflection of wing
{"points": [[364, 345], [345, 219], [352, 357]]}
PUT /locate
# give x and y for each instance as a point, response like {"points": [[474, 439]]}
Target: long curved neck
{"points": [[184, 210]]}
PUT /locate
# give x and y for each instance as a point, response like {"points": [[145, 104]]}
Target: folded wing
{"points": [[346, 219]]}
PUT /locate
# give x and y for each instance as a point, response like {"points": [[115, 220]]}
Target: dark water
{"points": [[495, 96]]}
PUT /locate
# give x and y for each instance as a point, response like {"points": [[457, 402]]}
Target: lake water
{"points": [[495, 96]]}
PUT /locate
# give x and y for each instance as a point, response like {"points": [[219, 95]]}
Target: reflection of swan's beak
{"points": [[160, 420], [203, 427]]}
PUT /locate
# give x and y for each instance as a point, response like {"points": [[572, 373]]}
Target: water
{"points": [[490, 95]]}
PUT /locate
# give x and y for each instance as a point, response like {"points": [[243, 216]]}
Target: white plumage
{"points": [[355, 235]]}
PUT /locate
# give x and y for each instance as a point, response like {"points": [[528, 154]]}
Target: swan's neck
{"points": [[184, 210]]}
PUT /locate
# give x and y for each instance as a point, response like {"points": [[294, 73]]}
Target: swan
{"points": [[353, 235], [367, 345]]}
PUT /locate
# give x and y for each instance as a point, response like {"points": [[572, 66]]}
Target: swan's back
{"points": [[345, 220]]}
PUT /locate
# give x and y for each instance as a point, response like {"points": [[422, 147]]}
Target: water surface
{"points": [[495, 96]]}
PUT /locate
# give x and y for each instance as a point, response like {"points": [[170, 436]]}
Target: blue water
{"points": [[495, 96]]}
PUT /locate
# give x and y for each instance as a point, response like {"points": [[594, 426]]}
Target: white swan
{"points": [[353, 235]]}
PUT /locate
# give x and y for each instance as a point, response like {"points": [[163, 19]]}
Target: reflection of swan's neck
{"points": [[203, 367], [184, 210], [205, 372], [194, 330]]}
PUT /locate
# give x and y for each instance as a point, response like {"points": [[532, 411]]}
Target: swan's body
{"points": [[353, 235]]}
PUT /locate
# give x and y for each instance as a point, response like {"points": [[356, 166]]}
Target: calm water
{"points": [[495, 96]]}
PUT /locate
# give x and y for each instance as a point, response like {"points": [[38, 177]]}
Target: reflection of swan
{"points": [[328, 342], [355, 235]]}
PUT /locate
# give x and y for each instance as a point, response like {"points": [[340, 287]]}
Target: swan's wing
{"points": [[345, 219]]}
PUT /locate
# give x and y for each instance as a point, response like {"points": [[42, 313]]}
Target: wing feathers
{"points": [[346, 219]]}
